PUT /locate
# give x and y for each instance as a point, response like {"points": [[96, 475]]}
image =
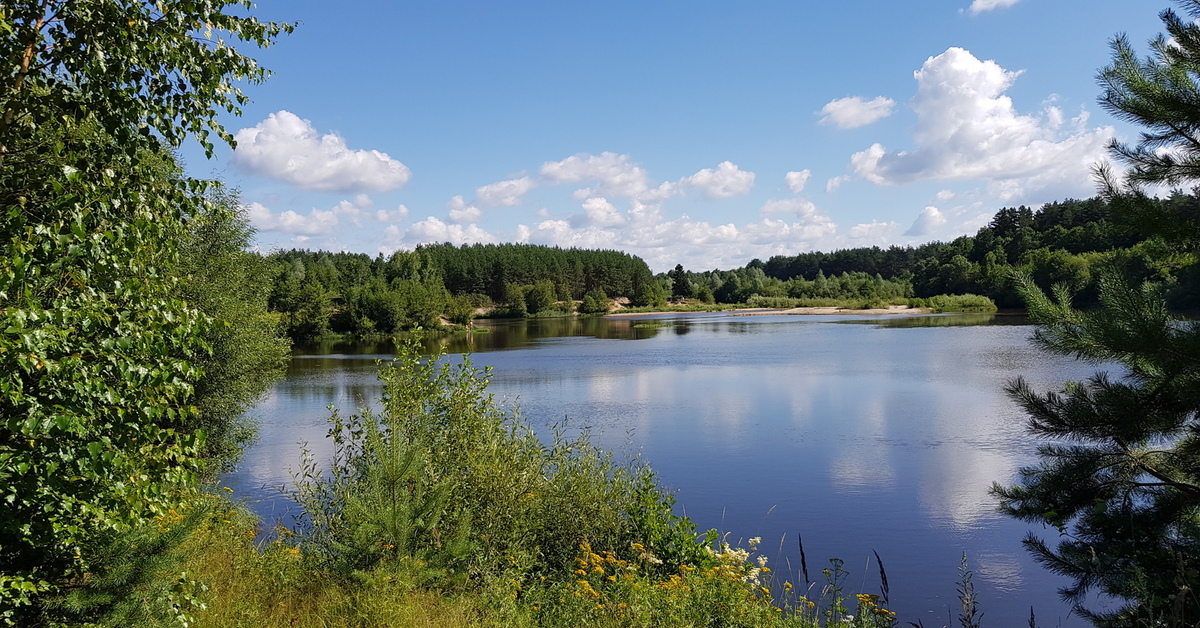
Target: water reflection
{"points": [[881, 435]]}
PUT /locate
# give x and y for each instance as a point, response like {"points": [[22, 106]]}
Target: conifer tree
{"points": [[1119, 472]]}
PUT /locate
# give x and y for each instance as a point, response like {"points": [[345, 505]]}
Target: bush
{"points": [[594, 302], [444, 476]]}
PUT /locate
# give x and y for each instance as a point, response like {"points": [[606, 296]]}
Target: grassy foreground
{"points": [[445, 510], [277, 585]]}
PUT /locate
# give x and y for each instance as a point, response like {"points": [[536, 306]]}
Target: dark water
{"points": [[857, 434]]}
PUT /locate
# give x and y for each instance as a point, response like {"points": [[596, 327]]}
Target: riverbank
{"points": [[807, 311]]}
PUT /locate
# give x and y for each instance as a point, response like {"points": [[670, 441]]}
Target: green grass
{"points": [[683, 307], [965, 303]]}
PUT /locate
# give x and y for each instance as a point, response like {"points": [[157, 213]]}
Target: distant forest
{"points": [[1065, 242]]}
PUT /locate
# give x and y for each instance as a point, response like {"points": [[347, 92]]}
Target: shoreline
{"points": [[894, 310]]}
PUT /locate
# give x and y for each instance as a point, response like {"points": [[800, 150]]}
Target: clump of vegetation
{"points": [[965, 303]]}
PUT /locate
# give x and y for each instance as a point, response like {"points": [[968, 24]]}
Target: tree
{"points": [[229, 285], [98, 353], [1120, 474], [680, 286]]}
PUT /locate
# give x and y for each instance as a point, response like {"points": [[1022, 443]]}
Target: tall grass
{"points": [[855, 303], [967, 303]]}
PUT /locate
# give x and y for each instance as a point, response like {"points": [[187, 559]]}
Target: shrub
{"points": [[444, 476]]}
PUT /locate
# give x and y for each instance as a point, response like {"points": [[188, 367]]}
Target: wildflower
{"points": [[787, 586], [754, 543], [762, 562]]}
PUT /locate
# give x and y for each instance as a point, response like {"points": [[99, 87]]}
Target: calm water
{"points": [[856, 434]]}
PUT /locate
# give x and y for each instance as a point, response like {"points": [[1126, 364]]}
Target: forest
{"points": [[1061, 243]]}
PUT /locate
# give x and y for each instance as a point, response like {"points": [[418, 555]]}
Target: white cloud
{"points": [[797, 179], [504, 193], [727, 180], [460, 212], [798, 206], [873, 231], [352, 211], [836, 182], [396, 215], [601, 213], [560, 233], [979, 6], [945, 195], [434, 231], [617, 174], [287, 148], [317, 222], [855, 111], [929, 220], [968, 129]]}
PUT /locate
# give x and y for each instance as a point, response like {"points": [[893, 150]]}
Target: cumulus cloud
{"points": [[968, 129], [504, 193], [460, 212], [616, 175], [798, 206], [434, 231], [929, 220], [979, 6], [836, 182], [796, 180], [727, 180], [396, 215], [873, 231], [601, 213], [288, 148], [317, 222], [855, 111]]}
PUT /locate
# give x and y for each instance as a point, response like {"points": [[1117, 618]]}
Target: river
{"points": [[858, 434]]}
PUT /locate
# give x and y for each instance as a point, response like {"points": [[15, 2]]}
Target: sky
{"points": [[698, 133]]}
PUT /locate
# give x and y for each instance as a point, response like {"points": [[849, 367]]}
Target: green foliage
{"points": [[594, 302], [680, 286], [246, 353], [1120, 474], [97, 360], [98, 352], [1119, 477], [964, 303], [443, 476], [165, 67], [136, 579], [1158, 93]]}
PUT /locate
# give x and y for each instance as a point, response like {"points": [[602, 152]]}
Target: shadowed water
{"points": [[857, 433]]}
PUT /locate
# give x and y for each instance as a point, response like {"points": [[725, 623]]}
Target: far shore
{"points": [[806, 311]]}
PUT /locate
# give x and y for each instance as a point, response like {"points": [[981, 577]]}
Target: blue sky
{"points": [[702, 133]]}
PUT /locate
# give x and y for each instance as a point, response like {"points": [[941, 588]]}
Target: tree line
{"points": [[319, 292], [1065, 242]]}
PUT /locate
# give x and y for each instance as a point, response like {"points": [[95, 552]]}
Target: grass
{"points": [[278, 585], [865, 303], [966, 303], [679, 307]]}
